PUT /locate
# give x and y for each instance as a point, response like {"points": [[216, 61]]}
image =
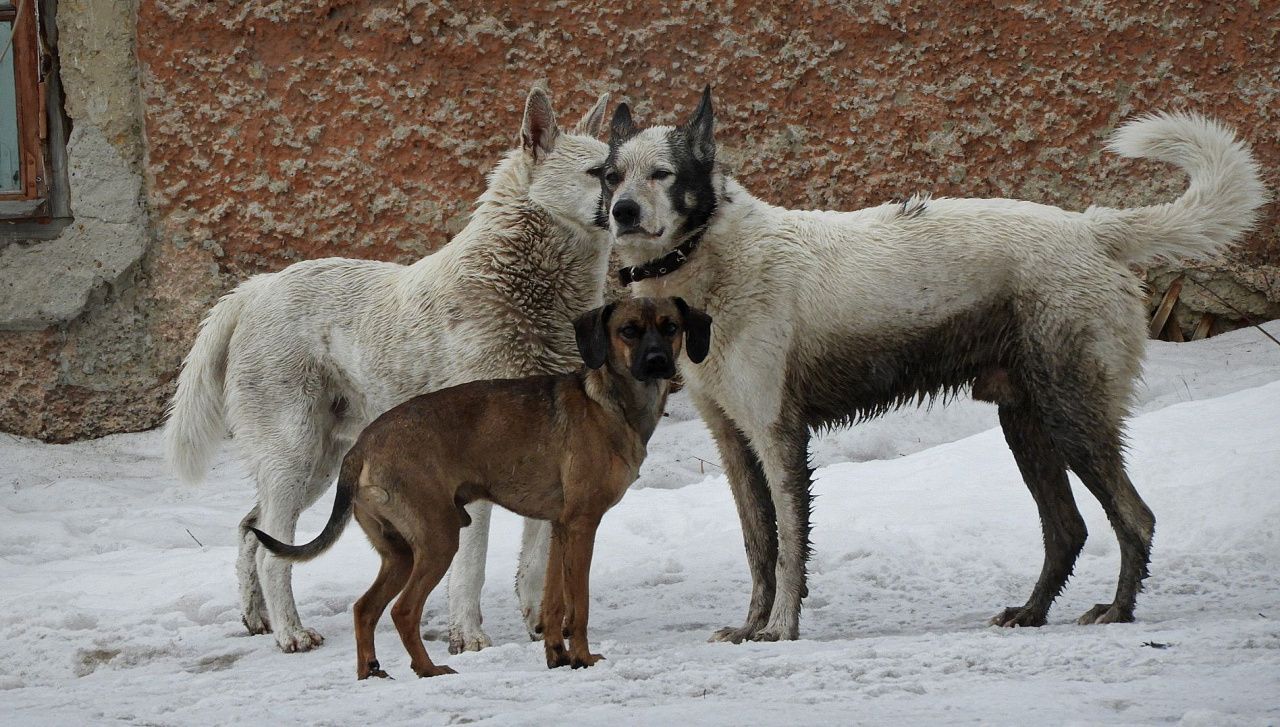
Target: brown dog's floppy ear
{"points": [[697, 331], [591, 330]]}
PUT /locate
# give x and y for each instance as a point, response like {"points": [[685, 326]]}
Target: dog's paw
{"points": [[1106, 613], [557, 657], [1015, 616], [732, 635], [533, 623], [372, 669], [300, 640], [433, 670], [776, 633], [256, 623], [582, 662], [461, 640]]}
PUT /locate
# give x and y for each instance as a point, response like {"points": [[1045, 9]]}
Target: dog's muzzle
{"points": [[654, 365]]}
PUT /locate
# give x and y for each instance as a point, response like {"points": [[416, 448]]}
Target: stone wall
{"points": [[282, 131]]}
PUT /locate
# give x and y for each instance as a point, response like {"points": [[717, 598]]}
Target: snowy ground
{"points": [[111, 613]]}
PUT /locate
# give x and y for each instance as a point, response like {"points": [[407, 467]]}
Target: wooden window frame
{"points": [[40, 208]]}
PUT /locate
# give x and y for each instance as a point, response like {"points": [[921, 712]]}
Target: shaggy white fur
{"points": [[296, 363]]}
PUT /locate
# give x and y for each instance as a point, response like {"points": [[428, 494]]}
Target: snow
{"points": [[112, 613]]}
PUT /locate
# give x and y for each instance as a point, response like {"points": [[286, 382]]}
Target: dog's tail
{"points": [[195, 423], [1221, 201], [348, 480]]}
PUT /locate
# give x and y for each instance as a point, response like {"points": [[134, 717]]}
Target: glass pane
{"points": [[10, 150]]}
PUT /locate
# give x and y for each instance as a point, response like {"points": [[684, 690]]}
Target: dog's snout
{"points": [[656, 358], [655, 364], [626, 212]]}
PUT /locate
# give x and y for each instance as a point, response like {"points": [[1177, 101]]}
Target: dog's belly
{"points": [[852, 374]]}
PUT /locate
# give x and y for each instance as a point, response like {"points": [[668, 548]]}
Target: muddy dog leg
{"points": [[784, 456], [756, 513], [1045, 473], [553, 601], [466, 581], [397, 562], [1085, 426], [1101, 469]]}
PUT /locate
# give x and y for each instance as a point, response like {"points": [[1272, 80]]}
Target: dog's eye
{"points": [[668, 328], [629, 331], [596, 172], [612, 178], [659, 175]]}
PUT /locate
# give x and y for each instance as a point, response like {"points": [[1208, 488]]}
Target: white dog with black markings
{"points": [[296, 363], [825, 318]]}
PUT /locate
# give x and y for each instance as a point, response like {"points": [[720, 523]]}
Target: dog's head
{"points": [[643, 336], [566, 167], [659, 183]]}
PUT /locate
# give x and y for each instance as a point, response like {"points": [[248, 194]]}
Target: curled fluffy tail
{"points": [[195, 424], [1221, 201], [348, 480]]}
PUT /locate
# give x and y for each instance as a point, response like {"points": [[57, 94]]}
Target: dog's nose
{"points": [[658, 364], [626, 212]]}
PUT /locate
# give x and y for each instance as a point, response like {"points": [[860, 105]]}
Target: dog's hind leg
{"points": [[756, 513], [466, 581], [1100, 465], [252, 602], [1045, 473], [289, 482], [1083, 405], [531, 573], [434, 540], [397, 562]]}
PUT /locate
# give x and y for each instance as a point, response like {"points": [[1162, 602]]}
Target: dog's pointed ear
{"points": [[621, 127], [591, 123], [700, 129], [538, 131], [697, 331], [592, 331]]}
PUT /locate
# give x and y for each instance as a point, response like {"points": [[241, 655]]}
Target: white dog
{"points": [[824, 318], [297, 362]]}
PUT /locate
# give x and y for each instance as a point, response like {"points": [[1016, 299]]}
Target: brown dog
{"points": [[562, 448]]}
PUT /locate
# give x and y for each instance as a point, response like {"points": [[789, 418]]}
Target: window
{"points": [[32, 127]]}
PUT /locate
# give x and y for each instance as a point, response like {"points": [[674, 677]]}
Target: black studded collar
{"points": [[664, 265]]}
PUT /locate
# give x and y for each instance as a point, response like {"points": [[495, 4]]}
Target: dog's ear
{"points": [[590, 124], [538, 131], [592, 331], [621, 127], [697, 331], [700, 130]]}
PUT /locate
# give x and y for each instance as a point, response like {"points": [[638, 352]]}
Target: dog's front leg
{"points": [[553, 605], [577, 586], [756, 513], [784, 456], [466, 580]]}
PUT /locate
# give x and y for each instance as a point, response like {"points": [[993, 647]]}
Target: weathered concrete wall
{"points": [[73, 360], [279, 131]]}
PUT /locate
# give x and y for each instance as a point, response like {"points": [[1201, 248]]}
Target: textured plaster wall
{"points": [[75, 358], [281, 131]]}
